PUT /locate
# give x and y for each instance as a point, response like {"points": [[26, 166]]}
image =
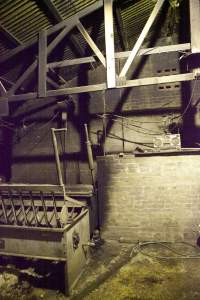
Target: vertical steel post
{"points": [[109, 42], [55, 145], [42, 64], [89, 153]]}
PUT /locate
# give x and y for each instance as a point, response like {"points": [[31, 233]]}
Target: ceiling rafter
{"points": [[141, 38], [58, 18], [120, 27], [84, 12], [11, 37]]}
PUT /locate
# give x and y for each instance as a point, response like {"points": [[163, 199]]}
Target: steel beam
{"points": [[109, 43], [42, 61], [23, 77], [102, 86], [53, 10], [120, 26], [157, 80], [33, 66], [2, 89], [69, 22], [91, 43], [156, 50], [71, 62], [84, 12], [13, 39], [58, 38], [17, 50], [77, 90], [53, 83], [194, 25], [141, 38], [118, 55], [58, 18]]}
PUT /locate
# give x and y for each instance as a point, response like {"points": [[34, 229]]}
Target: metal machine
{"points": [[37, 221], [45, 222]]}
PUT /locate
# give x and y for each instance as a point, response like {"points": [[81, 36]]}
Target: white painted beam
{"points": [[109, 43], [42, 62], [2, 89], [91, 43], [141, 38], [194, 25], [102, 86]]}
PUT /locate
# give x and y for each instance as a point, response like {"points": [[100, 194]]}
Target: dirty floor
{"points": [[119, 271]]}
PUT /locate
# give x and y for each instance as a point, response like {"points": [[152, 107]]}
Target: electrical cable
{"points": [[41, 127], [148, 131], [137, 121], [189, 103], [139, 245], [114, 136]]}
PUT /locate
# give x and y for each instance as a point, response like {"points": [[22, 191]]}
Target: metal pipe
{"points": [[90, 154], [55, 145]]}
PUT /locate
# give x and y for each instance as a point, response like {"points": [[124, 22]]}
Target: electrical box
{"points": [[167, 142]]}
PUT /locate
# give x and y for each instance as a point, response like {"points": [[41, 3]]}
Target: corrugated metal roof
{"points": [[69, 8], [23, 18]]}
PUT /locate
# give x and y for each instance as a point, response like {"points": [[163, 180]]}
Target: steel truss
{"points": [[114, 80]]}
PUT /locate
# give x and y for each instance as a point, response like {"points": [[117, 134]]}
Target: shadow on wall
{"points": [[190, 132], [138, 69]]}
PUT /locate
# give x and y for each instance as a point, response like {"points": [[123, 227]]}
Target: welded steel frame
{"points": [[108, 61], [51, 244]]}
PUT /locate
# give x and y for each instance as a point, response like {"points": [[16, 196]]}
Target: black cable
{"points": [[189, 103], [148, 131], [137, 121], [139, 245], [114, 136]]}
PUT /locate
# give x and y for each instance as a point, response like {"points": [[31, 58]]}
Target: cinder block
{"points": [[151, 198]]}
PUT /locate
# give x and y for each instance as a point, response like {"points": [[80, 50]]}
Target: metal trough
{"points": [[40, 221]]}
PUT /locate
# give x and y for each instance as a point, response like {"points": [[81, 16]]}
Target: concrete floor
{"points": [[153, 272]]}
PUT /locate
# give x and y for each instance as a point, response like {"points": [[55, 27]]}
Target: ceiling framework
{"points": [[13, 39], [114, 80], [58, 18]]}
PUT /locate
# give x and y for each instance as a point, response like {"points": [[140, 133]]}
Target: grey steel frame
{"points": [[113, 80], [41, 239]]}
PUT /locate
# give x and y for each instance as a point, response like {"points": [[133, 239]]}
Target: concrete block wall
{"points": [[149, 198]]}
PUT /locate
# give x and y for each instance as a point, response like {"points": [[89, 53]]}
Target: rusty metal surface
{"points": [[67, 244], [36, 205]]}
